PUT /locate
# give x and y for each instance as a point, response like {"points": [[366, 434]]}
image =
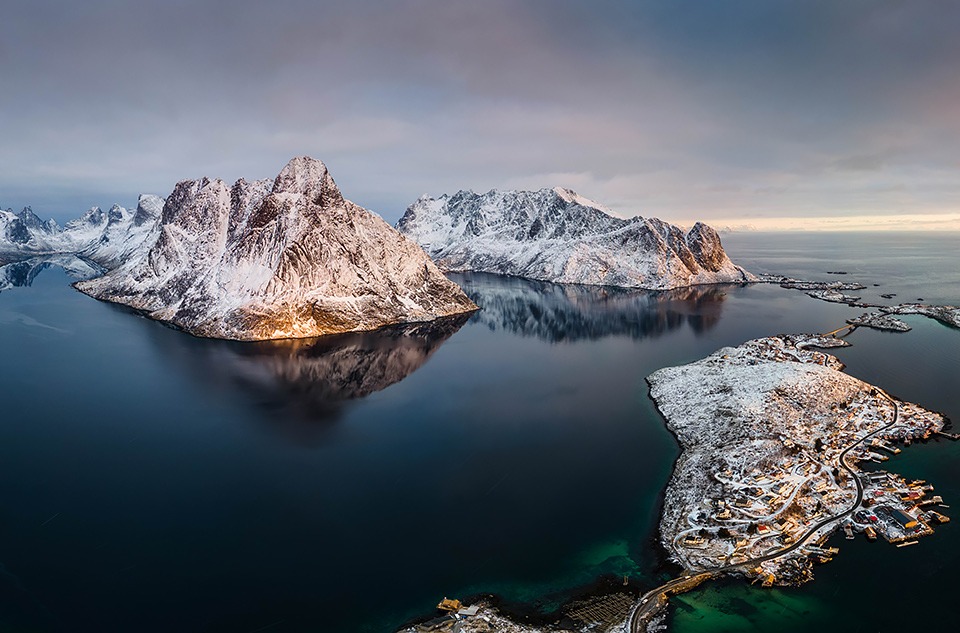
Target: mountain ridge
{"points": [[104, 237], [560, 236]]}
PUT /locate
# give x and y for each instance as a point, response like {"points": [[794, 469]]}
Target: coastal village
{"points": [[773, 449]]}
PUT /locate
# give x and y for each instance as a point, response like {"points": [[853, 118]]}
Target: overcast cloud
{"points": [[726, 111]]}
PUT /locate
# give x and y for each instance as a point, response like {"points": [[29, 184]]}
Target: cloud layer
{"points": [[679, 109]]}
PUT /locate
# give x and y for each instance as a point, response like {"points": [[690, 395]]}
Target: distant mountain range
{"points": [[559, 236], [107, 238], [291, 258]]}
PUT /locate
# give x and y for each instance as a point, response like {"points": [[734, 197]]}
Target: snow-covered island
{"points": [[880, 321], [948, 315], [559, 236], [282, 258], [771, 434]]}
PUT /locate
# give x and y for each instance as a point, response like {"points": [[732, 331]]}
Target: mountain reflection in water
{"points": [[307, 381], [567, 313], [22, 273]]}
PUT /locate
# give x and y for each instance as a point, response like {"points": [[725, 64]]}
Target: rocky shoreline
{"points": [[835, 292]]}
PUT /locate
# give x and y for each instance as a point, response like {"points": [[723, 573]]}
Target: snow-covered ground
{"points": [[762, 427], [880, 321], [948, 315]]}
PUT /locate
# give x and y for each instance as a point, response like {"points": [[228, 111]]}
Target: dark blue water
{"points": [[151, 481]]}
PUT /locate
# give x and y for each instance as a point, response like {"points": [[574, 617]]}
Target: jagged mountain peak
{"points": [[303, 175], [149, 208], [93, 216], [571, 196], [33, 223], [106, 238]]}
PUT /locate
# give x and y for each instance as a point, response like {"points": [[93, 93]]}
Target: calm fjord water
{"points": [[151, 481]]}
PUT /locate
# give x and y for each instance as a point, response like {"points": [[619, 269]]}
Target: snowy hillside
{"points": [[557, 235], [287, 258]]}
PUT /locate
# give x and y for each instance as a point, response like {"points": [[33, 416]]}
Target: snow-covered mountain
{"points": [[557, 235], [112, 241], [24, 234], [289, 258], [106, 238]]}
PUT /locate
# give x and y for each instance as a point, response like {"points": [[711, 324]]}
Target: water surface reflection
{"points": [[19, 274], [567, 313], [304, 383]]}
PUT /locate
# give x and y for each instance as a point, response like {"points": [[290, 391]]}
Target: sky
{"points": [[763, 114]]}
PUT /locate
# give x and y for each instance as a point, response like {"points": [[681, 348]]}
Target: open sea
{"points": [[153, 482]]}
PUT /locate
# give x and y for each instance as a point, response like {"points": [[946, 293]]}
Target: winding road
{"points": [[650, 601]]}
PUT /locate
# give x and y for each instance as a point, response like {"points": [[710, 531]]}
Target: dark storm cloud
{"points": [[678, 109]]}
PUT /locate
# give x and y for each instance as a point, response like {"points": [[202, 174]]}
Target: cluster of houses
{"points": [[767, 510]]}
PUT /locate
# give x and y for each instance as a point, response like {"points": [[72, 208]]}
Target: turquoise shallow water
{"points": [[150, 481]]}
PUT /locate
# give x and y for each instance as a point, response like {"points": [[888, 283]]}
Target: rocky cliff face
{"points": [[288, 258], [557, 235]]}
